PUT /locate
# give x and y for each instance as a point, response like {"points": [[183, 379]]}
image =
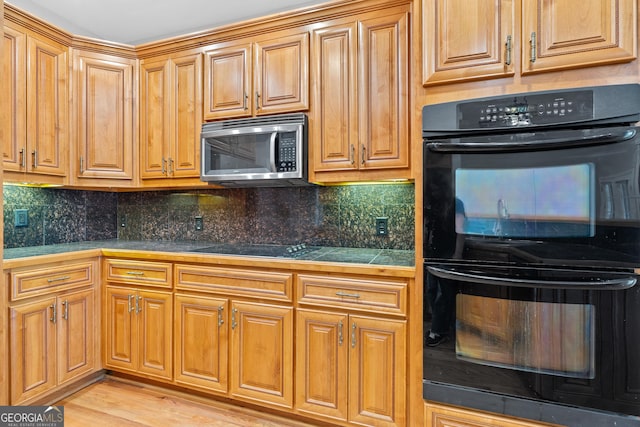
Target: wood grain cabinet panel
{"points": [[266, 75], [35, 109], [53, 342], [171, 117], [437, 415], [145, 273], [465, 41], [361, 85], [104, 119]]}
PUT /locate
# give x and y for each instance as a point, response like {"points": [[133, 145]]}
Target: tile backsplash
{"points": [[326, 216]]}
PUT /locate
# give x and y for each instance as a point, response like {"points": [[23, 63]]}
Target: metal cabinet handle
{"points": [[364, 154], [170, 171], [507, 55], [257, 101], [345, 294], [81, 164], [59, 279], [340, 336], [245, 101], [533, 47], [233, 318], [23, 160], [135, 273], [220, 313], [138, 304], [34, 158], [164, 168], [352, 154], [65, 311], [130, 306], [53, 313], [353, 335]]}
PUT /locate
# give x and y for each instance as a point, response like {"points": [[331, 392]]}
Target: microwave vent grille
{"points": [[280, 119]]}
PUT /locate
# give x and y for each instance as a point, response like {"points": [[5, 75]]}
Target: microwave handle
{"points": [[476, 144], [608, 284], [272, 151]]}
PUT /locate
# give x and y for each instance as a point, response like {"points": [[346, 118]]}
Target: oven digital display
{"points": [[555, 201]]}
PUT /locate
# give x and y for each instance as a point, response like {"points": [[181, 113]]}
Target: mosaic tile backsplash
{"points": [[324, 216]]}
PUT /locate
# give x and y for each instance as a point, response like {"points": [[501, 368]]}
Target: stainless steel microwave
{"points": [[267, 151]]}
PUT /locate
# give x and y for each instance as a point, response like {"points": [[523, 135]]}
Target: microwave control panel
{"points": [[286, 153]]}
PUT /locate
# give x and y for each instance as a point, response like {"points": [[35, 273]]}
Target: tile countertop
{"points": [[393, 257]]}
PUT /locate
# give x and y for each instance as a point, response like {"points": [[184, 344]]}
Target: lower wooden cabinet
{"points": [[201, 342], [261, 354], [138, 328], [351, 368], [53, 342]]}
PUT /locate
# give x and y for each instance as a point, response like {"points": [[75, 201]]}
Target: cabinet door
{"points": [[155, 117], [557, 36], [377, 371], [33, 335], [104, 117], [76, 335], [201, 332], [384, 93], [154, 312], [322, 346], [227, 82], [186, 116], [335, 133], [261, 357], [282, 74], [465, 41], [13, 97], [120, 341], [47, 107]]}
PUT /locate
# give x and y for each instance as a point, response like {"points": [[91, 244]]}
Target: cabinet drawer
{"points": [[146, 273], [32, 281], [359, 293], [229, 281]]}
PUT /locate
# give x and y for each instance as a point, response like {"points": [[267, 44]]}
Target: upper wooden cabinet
{"points": [[103, 152], [361, 83], [170, 117], [470, 41], [255, 77], [35, 105]]}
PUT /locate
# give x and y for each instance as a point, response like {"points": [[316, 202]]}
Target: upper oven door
{"points": [[558, 197]]}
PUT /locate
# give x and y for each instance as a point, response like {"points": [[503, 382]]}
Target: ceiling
{"points": [[139, 21]]}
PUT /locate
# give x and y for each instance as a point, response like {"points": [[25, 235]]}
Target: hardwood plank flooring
{"points": [[112, 402]]}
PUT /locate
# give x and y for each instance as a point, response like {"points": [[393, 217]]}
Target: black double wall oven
{"points": [[532, 255]]}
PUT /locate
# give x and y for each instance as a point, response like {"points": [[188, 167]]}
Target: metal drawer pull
{"points": [[135, 273], [340, 336], [353, 335], [65, 312], [233, 318], [129, 302], [138, 304], [59, 279], [220, 313], [345, 294], [53, 313]]}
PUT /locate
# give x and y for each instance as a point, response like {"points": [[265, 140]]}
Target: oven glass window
{"points": [[554, 201], [532, 336]]}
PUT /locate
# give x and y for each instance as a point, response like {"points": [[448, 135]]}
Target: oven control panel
{"points": [[526, 110]]}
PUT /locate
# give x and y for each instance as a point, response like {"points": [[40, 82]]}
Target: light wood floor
{"points": [[112, 402]]}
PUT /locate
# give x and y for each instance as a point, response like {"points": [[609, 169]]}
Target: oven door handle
{"points": [[606, 284], [486, 144]]}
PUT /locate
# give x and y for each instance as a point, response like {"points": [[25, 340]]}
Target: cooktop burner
{"points": [[279, 251]]}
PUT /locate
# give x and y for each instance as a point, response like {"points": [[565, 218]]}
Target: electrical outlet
{"points": [[21, 218], [382, 226], [123, 221], [198, 223]]}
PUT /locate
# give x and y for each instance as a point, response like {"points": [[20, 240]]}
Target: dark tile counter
{"points": [[392, 257]]}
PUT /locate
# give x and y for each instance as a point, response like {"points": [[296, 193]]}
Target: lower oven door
{"points": [[561, 354]]}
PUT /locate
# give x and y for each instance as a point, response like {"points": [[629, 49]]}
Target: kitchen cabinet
{"points": [[103, 117], [265, 75], [170, 118], [249, 333], [351, 366], [138, 316], [202, 342], [360, 75], [437, 415], [464, 42], [35, 107], [52, 327]]}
